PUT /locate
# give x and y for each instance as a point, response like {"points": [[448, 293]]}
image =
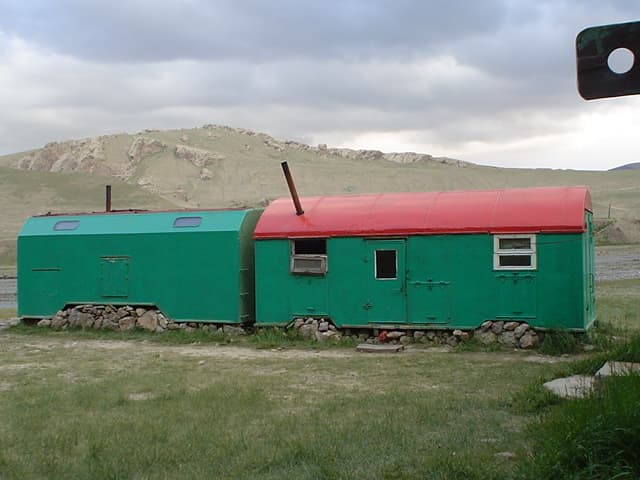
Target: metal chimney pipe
{"points": [[292, 188], [108, 198]]}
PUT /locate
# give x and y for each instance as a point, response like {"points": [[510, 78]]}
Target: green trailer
{"points": [[191, 265], [439, 260]]}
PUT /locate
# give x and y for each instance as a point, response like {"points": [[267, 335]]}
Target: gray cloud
{"points": [[451, 73], [142, 30]]}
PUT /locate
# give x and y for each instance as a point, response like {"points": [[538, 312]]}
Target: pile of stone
{"points": [[317, 328], [509, 334], [124, 318]]}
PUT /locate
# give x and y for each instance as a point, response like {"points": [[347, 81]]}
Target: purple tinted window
{"points": [[181, 222], [66, 225]]}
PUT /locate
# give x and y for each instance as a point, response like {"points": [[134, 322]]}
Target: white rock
{"points": [[576, 386], [618, 368]]}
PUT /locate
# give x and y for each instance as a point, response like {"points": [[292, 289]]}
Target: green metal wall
{"points": [[199, 274], [448, 282]]}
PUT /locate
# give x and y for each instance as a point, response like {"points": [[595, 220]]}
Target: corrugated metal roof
{"points": [[132, 223], [548, 209]]}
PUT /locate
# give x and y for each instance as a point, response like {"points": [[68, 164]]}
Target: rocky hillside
{"points": [[218, 166], [193, 167]]}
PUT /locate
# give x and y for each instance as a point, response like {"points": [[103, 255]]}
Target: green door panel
{"points": [[114, 276], [429, 301], [386, 289], [308, 295], [46, 287], [516, 294]]}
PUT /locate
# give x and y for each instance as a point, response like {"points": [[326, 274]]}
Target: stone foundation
{"points": [[508, 334], [124, 318]]}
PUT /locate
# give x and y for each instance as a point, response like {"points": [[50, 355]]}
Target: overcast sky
{"points": [[490, 81]]}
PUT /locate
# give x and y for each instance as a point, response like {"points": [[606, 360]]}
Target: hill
{"points": [[217, 166], [628, 166]]}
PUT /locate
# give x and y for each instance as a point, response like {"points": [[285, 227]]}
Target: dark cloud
{"points": [[255, 30], [451, 72]]}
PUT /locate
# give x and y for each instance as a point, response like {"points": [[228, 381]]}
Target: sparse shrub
{"points": [[628, 351], [558, 342], [271, 337], [593, 438]]}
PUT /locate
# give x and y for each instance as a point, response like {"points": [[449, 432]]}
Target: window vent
{"points": [[309, 264]]}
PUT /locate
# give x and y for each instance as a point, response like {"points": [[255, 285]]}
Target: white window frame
{"points": [[375, 263], [511, 252]]}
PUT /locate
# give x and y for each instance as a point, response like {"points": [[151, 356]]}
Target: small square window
{"points": [[182, 222], [386, 265], [66, 225], [514, 252]]}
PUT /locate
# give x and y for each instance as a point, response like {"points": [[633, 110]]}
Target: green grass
{"points": [[75, 407], [100, 404], [558, 342], [7, 313], [594, 438], [618, 303]]}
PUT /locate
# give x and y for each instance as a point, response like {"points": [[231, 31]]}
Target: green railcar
{"points": [[191, 265], [429, 260]]}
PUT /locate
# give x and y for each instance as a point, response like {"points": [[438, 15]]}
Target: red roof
{"points": [[549, 209]]}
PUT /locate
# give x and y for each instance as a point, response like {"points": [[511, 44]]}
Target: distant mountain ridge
{"points": [[628, 166]]}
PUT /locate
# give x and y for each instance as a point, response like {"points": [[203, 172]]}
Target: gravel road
{"points": [[612, 263], [7, 293], [618, 263]]}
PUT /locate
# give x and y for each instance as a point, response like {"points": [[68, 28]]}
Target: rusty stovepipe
{"points": [[292, 188]]}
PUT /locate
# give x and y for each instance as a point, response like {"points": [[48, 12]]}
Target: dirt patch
{"points": [[137, 397], [195, 351]]}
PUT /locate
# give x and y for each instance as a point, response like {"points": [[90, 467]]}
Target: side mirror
{"points": [[608, 60]]}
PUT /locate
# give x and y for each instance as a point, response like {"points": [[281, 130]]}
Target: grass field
{"points": [[94, 405], [7, 313]]}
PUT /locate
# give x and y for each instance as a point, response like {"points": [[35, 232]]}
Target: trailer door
{"points": [[386, 290]]}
